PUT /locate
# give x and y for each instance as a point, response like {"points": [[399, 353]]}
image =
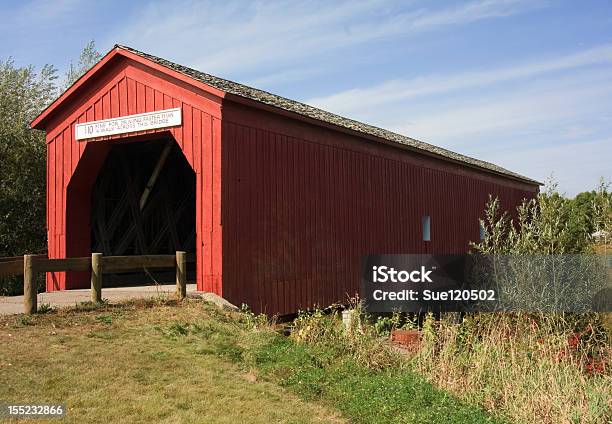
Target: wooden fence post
{"points": [[96, 277], [30, 291], [181, 274]]}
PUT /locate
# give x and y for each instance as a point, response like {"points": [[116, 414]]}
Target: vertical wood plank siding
{"points": [[72, 166], [303, 205], [285, 209]]}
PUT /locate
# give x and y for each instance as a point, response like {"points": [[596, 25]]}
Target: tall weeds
{"points": [[532, 369], [357, 341], [528, 368]]}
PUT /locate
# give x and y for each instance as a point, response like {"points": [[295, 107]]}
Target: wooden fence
{"points": [[30, 265]]}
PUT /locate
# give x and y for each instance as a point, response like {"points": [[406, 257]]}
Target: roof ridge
{"points": [[313, 112]]}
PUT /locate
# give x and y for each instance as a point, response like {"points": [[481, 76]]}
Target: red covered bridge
{"points": [[278, 200]]}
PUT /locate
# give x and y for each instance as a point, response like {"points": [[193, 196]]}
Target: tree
{"points": [[539, 260], [88, 58], [24, 93], [602, 212], [549, 224]]}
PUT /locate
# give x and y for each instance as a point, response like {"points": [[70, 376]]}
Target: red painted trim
{"points": [[54, 124], [40, 121], [37, 122]]}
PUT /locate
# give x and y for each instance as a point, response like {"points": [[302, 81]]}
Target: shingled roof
{"points": [[303, 109]]}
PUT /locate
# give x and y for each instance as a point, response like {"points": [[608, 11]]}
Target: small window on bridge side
{"points": [[426, 221]]}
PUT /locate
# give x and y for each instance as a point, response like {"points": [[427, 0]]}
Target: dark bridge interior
{"points": [[143, 202]]}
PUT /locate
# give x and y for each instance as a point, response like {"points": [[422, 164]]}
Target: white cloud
{"points": [[558, 127], [283, 77], [560, 104], [497, 114], [45, 12], [351, 101], [576, 167], [534, 106], [471, 12], [261, 38]]}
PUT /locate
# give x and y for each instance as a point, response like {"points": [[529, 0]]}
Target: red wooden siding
{"points": [[303, 205], [286, 207], [124, 89]]}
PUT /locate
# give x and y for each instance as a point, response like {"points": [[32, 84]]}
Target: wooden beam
{"points": [[181, 275], [14, 267], [20, 258], [158, 167], [96, 277], [30, 291], [11, 258], [137, 263], [67, 264]]}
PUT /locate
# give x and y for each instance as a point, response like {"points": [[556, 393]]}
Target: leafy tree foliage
{"points": [[548, 224], [602, 213], [24, 93], [88, 58]]}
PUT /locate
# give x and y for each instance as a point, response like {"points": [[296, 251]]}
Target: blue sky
{"points": [[524, 84]]}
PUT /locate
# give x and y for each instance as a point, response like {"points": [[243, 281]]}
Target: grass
{"points": [[361, 394], [521, 368], [528, 368], [194, 363], [132, 364]]}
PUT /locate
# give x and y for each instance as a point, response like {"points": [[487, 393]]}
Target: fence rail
{"points": [[13, 265], [30, 265]]}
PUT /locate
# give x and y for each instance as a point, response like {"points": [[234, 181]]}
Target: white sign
{"points": [[128, 124]]}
